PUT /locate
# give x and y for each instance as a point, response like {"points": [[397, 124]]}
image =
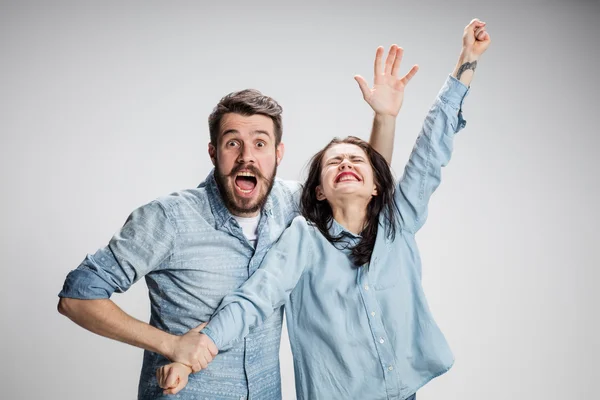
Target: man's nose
{"points": [[246, 155]]}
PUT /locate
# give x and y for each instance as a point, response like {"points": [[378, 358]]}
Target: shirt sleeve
{"points": [[432, 151], [266, 290], [140, 246]]}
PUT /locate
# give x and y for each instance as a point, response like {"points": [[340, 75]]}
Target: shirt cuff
{"points": [[454, 92], [85, 285], [208, 332]]}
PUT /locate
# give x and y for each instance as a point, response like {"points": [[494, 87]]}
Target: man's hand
{"points": [[173, 377], [387, 94], [193, 349]]}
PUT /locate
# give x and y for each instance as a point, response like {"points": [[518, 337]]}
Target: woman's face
{"points": [[346, 172]]}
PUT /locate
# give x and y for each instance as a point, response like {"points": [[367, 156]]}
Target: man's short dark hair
{"points": [[245, 102]]}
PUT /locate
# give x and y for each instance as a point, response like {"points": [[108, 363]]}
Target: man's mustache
{"points": [[247, 167]]}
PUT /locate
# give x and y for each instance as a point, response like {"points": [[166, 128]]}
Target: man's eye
{"points": [[260, 144], [232, 143]]}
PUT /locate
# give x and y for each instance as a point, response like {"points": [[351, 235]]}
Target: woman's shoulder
{"points": [[300, 223], [304, 231]]}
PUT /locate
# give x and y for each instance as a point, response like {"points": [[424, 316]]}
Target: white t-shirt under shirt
{"points": [[249, 227]]}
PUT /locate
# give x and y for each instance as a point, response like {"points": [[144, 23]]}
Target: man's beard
{"points": [[238, 205]]}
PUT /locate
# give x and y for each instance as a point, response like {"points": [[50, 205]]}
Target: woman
{"points": [[348, 270]]}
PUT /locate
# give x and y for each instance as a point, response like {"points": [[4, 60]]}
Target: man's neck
{"points": [[245, 215]]}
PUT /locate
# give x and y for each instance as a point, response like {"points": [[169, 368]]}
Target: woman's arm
{"points": [[266, 290], [385, 98], [432, 151]]}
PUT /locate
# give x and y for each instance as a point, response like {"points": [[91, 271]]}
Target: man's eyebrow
{"points": [[235, 132], [230, 132]]}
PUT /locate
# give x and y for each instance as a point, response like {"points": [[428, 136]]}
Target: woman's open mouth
{"points": [[347, 177]]}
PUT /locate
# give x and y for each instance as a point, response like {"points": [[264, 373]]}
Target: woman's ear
{"points": [[319, 193]]}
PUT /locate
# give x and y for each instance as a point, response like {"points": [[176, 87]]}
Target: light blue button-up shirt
{"points": [[192, 252], [356, 333]]}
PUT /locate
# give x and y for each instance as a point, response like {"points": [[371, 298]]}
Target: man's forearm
{"points": [[105, 318], [382, 135]]}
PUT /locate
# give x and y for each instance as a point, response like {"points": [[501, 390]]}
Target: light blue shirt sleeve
{"points": [[432, 151], [145, 241], [266, 290]]}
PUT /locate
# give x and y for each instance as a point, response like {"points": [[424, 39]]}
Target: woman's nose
{"points": [[345, 164]]}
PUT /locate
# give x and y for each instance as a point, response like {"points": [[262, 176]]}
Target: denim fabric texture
{"points": [[357, 332], [192, 252]]}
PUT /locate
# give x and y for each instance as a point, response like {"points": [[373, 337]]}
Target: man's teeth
{"points": [[246, 173], [244, 191]]}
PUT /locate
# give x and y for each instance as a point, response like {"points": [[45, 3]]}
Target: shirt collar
{"points": [[335, 229]]}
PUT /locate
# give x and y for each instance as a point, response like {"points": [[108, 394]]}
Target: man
{"points": [[195, 246]]}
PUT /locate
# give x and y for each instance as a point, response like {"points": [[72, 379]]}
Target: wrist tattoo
{"points": [[464, 67]]}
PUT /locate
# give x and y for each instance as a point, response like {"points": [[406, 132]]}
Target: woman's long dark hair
{"points": [[320, 213]]}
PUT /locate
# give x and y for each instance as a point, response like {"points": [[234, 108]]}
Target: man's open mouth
{"points": [[245, 181]]}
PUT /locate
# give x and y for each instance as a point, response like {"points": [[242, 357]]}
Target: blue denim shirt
{"points": [[192, 253], [356, 333]]}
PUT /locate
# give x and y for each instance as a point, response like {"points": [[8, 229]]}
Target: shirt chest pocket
{"points": [[384, 273]]}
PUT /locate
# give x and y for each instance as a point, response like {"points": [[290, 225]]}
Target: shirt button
{"points": [[391, 368], [372, 313], [366, 286], [381, 340]]}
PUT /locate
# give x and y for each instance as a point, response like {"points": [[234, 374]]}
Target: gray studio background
{"points": [[103, 107]]}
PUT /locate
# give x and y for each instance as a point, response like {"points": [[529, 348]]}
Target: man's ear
{"points": [[279, 152], [319, 193], [212, 153]]}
